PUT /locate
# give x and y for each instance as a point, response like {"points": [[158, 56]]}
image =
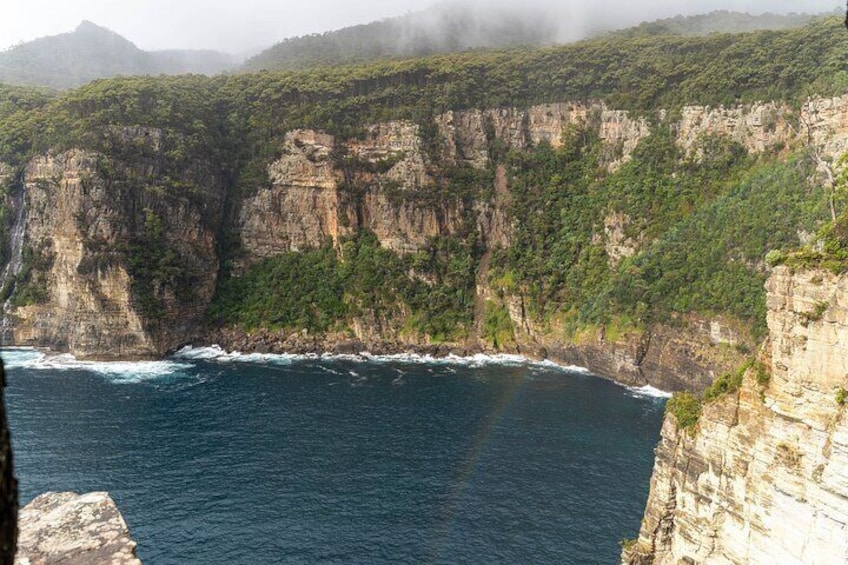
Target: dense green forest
{"points": [[708, 223]]}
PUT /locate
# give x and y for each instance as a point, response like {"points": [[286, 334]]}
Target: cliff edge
{"points": [[762, 476]]}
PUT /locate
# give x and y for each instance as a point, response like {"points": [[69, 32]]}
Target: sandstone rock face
{"points": [[763, 478], [302, 207], [467, 133], [822, 123], [688, 356], [67, 527], [77, 222], [83, 314], [323, 189]]}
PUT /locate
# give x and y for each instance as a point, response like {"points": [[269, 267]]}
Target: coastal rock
{"points": [[84, 211], [87, 529], [763, 477]]}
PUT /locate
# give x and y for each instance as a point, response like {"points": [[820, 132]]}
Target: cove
{"points": [[226, 459]]}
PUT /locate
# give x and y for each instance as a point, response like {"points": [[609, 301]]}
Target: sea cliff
{"points": [[761, 477], [124, 251]]}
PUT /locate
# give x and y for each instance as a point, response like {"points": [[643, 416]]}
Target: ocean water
{"points": [[216, 458]]}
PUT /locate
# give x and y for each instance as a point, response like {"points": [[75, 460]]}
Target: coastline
{"points": [[41, 358]]}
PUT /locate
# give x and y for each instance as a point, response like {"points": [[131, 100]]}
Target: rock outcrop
{"points": [[65, 527], [763, 476], [87, 216], [323, 189], [468, 134]]}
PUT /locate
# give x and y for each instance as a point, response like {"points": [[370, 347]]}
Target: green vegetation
{"points": [[719, 21], [320, 290], [841, 396], [708, 224], [498, 328], [727, 383], [30, 285], [443, 28], [686, 408], [155, 267]]}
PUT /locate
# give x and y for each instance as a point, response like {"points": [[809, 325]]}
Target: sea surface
{"points": [[225, 458]]}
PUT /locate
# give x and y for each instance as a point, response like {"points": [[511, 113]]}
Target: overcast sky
{"points": [[244, 25]]}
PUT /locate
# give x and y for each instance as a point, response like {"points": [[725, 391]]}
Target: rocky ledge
{"points": [[65, 527]]}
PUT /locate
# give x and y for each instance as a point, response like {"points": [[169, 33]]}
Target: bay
{"points": [[216, 458]]}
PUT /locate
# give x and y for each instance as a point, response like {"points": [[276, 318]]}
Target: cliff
{"points": [[763, 475], [116, 263], [124, 242], [65, 527]]}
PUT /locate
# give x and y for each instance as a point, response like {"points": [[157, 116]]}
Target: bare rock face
{"points": [[301, 209], [323, 189], [468, 133], [757, 128], [763, 477], [84, 314], [63, 528], [688, 356], [81, 212]]}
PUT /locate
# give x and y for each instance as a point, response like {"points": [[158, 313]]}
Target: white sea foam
{"points": [[216, 353], [18, 357], [548, 364], [122, 371], [648, 390]]}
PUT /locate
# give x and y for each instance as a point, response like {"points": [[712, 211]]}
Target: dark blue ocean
{"points": [[218, 459]]}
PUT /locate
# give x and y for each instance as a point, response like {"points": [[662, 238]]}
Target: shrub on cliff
{"points": [[686, 408]]}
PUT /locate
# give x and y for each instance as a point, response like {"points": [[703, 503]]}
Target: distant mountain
{"points": [[445, 28], [90, 52]]}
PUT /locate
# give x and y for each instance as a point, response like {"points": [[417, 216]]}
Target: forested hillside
{"points": [[455, 27]]}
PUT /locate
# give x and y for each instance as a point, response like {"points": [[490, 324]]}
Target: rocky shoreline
{"points": [[668, 359]]}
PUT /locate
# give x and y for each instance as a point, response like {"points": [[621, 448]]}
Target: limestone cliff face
{"points": [[763, 477], [84, 213]]}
